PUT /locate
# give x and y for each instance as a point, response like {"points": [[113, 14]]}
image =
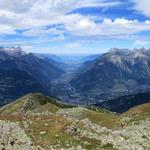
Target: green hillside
{"points": [[32, 103], [46, 124]]}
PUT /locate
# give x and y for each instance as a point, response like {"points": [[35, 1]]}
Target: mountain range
{"points": [[116, 73], [22, 73], [99, 80], [98, 102]]}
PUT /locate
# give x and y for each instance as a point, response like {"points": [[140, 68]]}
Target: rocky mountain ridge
{"points": [[113, 74], [25, 72], [75, 128], [97, 81]]}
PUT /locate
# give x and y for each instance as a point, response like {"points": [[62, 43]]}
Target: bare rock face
{"points": [[12, 137]]}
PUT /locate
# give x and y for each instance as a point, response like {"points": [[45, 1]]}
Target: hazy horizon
{"points": [[72, 54]]}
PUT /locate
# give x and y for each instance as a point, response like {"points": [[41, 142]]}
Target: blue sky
{"points": [[74, 26]]}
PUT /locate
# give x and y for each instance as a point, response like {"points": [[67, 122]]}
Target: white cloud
{"points": [[108, 27], [34, 16], [140, 43], [6, 29], [83, 27], [143, 6], [96, 3], [43, 31], [74, 45], [16, 6], [25, 14]]}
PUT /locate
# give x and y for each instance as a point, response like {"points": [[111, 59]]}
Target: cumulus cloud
{"points": [[73, 45], [107, 27], [34, 15], [43, 31], [6, 29], [140, 43], [16, 6], [28, 13], [143, 6], [41, 18]]}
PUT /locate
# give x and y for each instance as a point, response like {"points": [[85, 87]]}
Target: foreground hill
{"points": [[32, 103], [46, 124], [139, 112], [124, 103]]}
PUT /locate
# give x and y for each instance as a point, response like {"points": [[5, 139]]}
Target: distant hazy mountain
{"points": [[53, 59], [73, 58], [49, 56], [40, 69], [90, 57], [118, 72], [87, 63], [21, 73]]}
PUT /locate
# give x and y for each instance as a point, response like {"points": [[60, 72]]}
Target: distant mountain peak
{"points": [[118, 51], [115, 73], [140, 53], [13, 51], [140, 49]]}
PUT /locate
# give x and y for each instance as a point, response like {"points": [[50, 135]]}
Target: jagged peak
{"points": [[115, 54], [140, 49], [140, 53], [13, 51], [119, 51]]}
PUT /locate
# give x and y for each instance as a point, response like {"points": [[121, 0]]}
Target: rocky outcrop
{"points": [[12, 137], [135, 136]]}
